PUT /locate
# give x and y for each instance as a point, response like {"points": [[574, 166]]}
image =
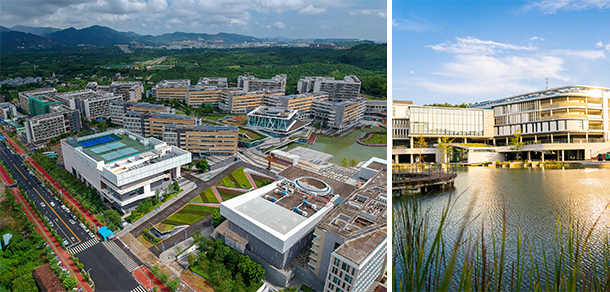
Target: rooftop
{"points": [[173, 116], [538, 95], [340, 188], [280, 112], [111, 147], [204, 128], [357, 250]]}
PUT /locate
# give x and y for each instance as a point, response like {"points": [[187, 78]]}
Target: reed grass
{"points": [[476, 261]]}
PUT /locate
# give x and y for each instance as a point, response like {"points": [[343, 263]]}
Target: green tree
{"points": [[68, 282], [421, 145], [113, 216], [202, 165], [516, 143], [444, 145], [25, 283], [353, 162], [344, 161]]}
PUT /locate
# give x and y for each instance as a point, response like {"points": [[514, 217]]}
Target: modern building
{"points": [[92, 104], [123, 167], [464, 126], [349, 244], [41, 104], [276, 221], [303, 103], [376, 110], [151, 124], [58, 121], [200, 96], [24, 96], [251, 83], [7, 110], [339, 115], [220, 82], [171, 89], [203, 140], [130, 91], [278, 120], [338, 90], [119, 108], [243, 102]]}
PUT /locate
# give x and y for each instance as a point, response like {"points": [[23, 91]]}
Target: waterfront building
{"points": [[339, 115], [302, 103], [123, 167], [276, 120], [203, 140], [43, 93], [59, 120], [251, 83]]}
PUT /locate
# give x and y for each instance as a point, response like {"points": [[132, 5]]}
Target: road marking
{"points": [[62, 220]]}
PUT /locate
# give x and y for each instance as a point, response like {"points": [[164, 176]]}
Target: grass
{"points": [[479, 262], [253, 135], [377, 139], [145, 241], [229, 194], [241, 178], [305, 288], [261, 182], [227, 182], [214, 117], [207, 196], [189, 215], [165, 226]]}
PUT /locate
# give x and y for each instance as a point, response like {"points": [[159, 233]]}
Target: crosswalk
{"points": [[139, 288], [120, 255], [83, 246]]}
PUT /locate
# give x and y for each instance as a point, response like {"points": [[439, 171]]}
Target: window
{"points": [[348, 278]]}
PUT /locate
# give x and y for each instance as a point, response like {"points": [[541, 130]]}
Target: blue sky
{"points": [[469, 51], [360, 19]]}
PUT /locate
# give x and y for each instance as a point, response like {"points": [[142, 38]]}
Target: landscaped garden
{"points": [[237, 179], [376, 138], [189, 215], [227, 194], [206, 196]]}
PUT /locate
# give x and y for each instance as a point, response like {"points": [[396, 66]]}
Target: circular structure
{"points": [[313, 185]]}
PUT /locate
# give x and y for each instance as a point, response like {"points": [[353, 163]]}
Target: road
{"points": [[64, 223]]}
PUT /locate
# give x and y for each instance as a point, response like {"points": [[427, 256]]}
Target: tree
{"points": [[444, 145], [421, 145], [353, 162], [344, 161], [68, 282], [517, 144], [25, 283], [202, 165]]}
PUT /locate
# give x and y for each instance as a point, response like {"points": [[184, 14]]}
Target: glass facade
{"points": [[446, 121]]}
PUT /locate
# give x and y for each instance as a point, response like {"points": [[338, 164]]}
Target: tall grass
{"points": [[476, 261]]}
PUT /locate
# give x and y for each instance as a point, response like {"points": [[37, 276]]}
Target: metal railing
{"points": [[415, 171]]}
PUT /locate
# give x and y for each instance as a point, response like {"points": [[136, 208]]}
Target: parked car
{"points": [[42, 204], [72, 222], [52, 204]]}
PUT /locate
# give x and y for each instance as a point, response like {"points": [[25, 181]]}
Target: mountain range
{"points": [[26, 36]]}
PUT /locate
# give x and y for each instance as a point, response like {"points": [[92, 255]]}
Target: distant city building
{"points": [[203, 140], [58, 121], [251, 83], [7, 110], [123, 167], [339, 115]]}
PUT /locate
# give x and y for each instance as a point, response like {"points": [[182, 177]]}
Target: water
{"points": [[533, 199], [346, 146]]}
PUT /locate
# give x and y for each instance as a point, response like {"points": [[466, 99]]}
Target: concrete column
{"points": [[587, 136], [569, 137], [494, 140], [551, 138], [562, 155], [506, 140], [178, 172], [411, 141], [396, 159], [542, 156], [536, 138], [529, 155], [412, 158], [465, 140]]}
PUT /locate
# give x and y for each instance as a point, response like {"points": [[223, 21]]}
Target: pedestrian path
{"points": [[140, 288], [120, 255], [83, 246]]}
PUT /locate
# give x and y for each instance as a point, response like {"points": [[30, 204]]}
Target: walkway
{"points": [[15, 146], [63, 255], [252, 182], [217, 194]]}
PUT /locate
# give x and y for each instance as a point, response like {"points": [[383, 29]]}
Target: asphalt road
{"points": [[106, 271], [64, 223]]}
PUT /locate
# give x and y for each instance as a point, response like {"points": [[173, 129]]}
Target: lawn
{"points": [[241, 178], [189, 215], [261, 181], [253, 135], [227, 182], [214, 117], [377, 138], [164, 226], [206, 196], [226, 194], [145, 241]]}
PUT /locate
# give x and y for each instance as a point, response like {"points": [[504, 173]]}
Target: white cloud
{"points": [[382, 14], [471, 45], [599, 44], [311, 10], [536, 38], [587, 54], [279, 24], [552, 6], [363, 12], [413, 23], [326, 27]]}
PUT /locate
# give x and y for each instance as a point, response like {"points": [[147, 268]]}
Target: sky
{"points": [[359, 19], [472, 51]]}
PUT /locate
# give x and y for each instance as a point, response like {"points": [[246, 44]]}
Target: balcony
{"points": [[596, 128], [595, 117], [565, 116]]}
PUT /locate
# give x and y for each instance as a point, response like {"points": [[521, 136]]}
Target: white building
{"points": [[123, 167]]}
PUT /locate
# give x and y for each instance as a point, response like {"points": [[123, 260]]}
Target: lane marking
{"points": [[62, 220]]}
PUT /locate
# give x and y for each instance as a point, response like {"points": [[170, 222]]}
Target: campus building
{"points": [[338, 90], [339, 115], [208, 91], [243, 102], [43, 93], [123, 167], [171, 89], [203, 140], [278, 120], [251, 83], [59, 120], [91, 104], [303, 103], [349, 247], [119, 108], [130, 91], [40, 104], [151, 124], [200, 96], [432, 123], [7, 110], [275, 223], [219, 82]]}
